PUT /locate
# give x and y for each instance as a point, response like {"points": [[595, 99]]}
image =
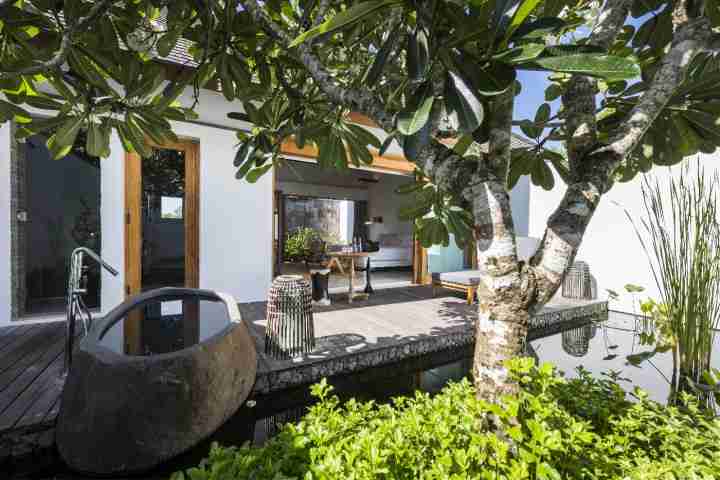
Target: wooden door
{"points": [[136, 169]]}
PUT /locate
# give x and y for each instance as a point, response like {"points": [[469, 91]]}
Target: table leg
{"points": [[368, 285], [351, 276]]}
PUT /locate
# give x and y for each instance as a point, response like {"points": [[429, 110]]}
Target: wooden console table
{"points": [[351, 256]]}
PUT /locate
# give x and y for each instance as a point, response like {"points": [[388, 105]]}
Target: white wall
{"points": [[235, 216], [384, 202], [5, 286], [520, 204], [611, 246]]}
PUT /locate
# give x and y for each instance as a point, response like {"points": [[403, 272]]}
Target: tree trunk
{"points": [[503, 312], [500, 335]]}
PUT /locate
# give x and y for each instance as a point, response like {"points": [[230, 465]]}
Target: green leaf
{"points": [[521, 14], [543, 113], [42, 102], [386, 144], [418, 55], [542, 176], [539, 28], [520, 54], [365, 137], [603, 66], [67, 133], [357, 12], [521, 162], [416, 114], [413, 144], [553, 92], [530, 129], [463, 144], [462, 104], [94, 145], [10, 111], [491, 79], [373, 73], [255, 174], [167, 43]]}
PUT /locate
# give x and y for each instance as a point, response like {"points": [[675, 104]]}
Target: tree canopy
{"points": [[424, 71]]}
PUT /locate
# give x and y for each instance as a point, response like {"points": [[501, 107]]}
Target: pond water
{"points": [[599, 347], [167, 324], [604, 346]]}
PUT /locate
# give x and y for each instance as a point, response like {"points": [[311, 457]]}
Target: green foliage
{"points": [[297, 244], [554, 428], [420, 60], [681, 236]]}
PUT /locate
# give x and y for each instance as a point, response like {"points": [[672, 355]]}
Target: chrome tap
{"points": [[77, 287]]}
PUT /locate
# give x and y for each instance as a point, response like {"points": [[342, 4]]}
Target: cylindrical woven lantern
{"points": [[576, 342], [290, 331], [578, 283]]}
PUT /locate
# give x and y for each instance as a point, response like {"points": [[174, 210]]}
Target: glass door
{"points": [[57, 209], [161, 233]]}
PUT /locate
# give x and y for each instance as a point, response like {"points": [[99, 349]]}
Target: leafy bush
{"points": [[297, 245], [582, 428]]}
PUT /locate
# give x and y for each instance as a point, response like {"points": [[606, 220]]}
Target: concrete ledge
{"points": [[394, 325]]}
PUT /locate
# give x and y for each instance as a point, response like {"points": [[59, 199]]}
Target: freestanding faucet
{"points": [[77, 287]]}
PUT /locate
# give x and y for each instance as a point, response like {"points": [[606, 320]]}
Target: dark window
{"points": [[59, 210]]}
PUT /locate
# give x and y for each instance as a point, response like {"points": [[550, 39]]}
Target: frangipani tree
{"points": [[637, 82]]}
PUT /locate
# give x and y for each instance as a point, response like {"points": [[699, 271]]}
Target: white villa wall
{"points": [[611, 246], [235, 216]]}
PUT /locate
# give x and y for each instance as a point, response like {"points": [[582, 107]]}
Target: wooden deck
{"points": [[393, 325]]}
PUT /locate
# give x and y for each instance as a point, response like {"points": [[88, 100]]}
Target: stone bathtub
{"points": [[155, 376]]}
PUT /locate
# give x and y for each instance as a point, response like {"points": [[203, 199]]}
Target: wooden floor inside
{"points": [[392, 325]]}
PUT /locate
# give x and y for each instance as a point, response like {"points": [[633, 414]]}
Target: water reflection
{"points": [[166, 324], [605, 346]]}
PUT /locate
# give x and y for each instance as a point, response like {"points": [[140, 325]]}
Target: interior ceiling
{"points": [[304, 172]]}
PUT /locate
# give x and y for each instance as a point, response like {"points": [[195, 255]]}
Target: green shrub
{"points": [[297, 244], [555, 428]]}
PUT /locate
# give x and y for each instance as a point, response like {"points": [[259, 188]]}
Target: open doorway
{"points": [[341, 208]]}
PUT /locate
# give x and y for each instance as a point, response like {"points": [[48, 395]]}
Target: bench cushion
{"points": [[470, 278]]}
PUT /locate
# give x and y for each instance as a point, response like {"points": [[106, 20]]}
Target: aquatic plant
{"points": [[680, 233], [552, 428]]}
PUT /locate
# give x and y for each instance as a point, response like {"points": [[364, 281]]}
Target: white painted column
{"points": [[5, 226]]}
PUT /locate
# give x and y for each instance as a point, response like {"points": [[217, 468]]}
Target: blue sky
{"points": [[532, 94]]}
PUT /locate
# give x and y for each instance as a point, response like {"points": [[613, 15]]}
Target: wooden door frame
{"points": [[133, 215]]}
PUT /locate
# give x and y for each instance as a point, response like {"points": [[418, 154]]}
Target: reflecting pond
{"points": [[598, 347]]}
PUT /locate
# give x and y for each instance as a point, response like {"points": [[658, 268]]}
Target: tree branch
{"points": [[567, 225], [357, 100], [65, 43], [691, 38], [579, 96]]}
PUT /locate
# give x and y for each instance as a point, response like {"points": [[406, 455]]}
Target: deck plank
{"points": [[40, 397], [19, 385], [10, 334], [23, 345], [43, 341]]}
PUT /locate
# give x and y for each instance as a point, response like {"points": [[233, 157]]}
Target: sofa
{"points": [[395, 250]]}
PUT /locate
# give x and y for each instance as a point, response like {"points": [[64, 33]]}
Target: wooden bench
{"points": [[466, 281]]}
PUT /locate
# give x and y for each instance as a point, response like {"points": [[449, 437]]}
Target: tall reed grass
{"points": [[680, 234]]}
